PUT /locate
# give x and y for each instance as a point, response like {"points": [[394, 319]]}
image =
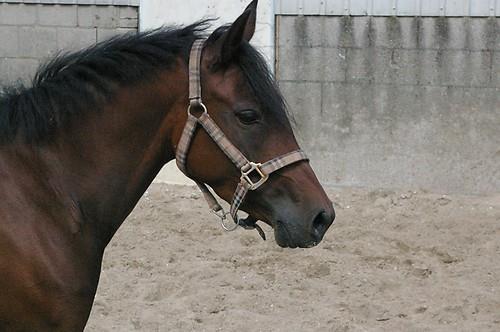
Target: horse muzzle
{"points": [[292, 233]]}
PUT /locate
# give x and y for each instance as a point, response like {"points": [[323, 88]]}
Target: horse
{"points": [[81, 144]]}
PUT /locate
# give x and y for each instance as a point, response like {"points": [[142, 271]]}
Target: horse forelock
{"points": [[259, 77]]}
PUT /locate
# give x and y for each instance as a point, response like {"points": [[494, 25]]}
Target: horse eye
{"points": [[248, 117]]}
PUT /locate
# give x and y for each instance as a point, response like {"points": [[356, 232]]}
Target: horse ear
{"points": [[241, 30]]}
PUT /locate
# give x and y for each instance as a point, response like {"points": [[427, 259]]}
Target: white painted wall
{"points": [[155, 13]]}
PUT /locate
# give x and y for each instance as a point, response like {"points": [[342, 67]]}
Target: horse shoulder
{"points": [[46, 280]]}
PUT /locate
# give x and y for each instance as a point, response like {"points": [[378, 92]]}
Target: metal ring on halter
{"points": [[196, 104], [233, 226], [223, 216]]}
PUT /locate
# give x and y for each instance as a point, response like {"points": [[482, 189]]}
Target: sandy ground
{"points": [[394, 261]]}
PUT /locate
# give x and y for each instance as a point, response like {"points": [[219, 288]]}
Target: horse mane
{"points": [[75, 82]]}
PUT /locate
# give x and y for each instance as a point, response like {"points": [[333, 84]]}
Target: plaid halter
{"points": [[253, 175]]}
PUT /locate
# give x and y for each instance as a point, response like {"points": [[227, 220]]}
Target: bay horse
{"points": [[80, 146]]}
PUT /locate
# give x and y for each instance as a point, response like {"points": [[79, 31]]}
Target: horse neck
{"points": [[110, 157]]}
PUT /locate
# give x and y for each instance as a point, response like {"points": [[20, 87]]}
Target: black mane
{"points": [[74, 82]]}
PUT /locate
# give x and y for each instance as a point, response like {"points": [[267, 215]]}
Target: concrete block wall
{"points": [[395, 102], [31, 33]]}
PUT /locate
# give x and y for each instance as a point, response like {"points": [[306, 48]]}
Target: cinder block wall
{"points": [[30, 33], [396, 102]]}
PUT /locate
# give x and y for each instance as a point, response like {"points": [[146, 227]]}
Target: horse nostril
{"points": [[321, 223]]}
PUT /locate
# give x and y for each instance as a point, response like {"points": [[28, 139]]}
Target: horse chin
{"points": [[283, 237], [285, 240]]}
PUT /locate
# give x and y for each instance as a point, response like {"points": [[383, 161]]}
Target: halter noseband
{"points": [[253, 175]]}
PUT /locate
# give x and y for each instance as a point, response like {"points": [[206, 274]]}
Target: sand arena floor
{"points": [[394, 261]]}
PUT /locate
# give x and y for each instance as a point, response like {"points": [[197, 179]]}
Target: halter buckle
{"points": [[253, 169]]}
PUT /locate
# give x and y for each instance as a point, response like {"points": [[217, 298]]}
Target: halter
{"points": [[253, 175]]}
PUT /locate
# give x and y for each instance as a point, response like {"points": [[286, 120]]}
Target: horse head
{"points": [[241, 96]]}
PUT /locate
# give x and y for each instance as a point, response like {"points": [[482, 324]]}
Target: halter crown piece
{"points": [[253, 175]]}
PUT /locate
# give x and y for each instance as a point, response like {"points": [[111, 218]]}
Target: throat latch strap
{"points": [[253, 175]]}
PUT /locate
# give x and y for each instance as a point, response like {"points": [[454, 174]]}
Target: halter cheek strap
{"points": [[253, 175]]}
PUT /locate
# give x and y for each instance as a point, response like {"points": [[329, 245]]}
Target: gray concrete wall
{"points": [[30, 33], [395, 102]]}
